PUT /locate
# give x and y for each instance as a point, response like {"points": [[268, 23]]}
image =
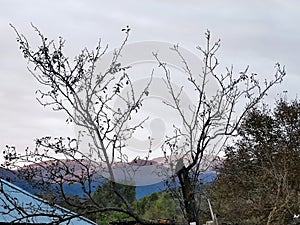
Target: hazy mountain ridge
{"points": [[15, 178], [68, 170]]}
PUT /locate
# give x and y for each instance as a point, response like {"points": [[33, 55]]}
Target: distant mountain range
{"points": [[15, 178], [143, 173]]}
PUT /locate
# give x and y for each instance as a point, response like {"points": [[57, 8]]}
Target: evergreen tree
{"points": [[259, 182]]}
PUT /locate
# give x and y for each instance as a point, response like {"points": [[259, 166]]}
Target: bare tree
{"points": [[208, 122], [86, 97]]}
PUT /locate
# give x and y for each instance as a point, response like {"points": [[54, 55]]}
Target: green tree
{"points": [[258, 180], [157, 206], [106, 196], [105, 218]]}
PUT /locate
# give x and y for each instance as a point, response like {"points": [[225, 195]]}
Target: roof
{"points": [[19, 206]]}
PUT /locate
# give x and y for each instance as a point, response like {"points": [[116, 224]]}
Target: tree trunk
{"points": [[188, 196]]}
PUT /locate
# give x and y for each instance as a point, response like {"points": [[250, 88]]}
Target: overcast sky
{"points": [[256, 33]]}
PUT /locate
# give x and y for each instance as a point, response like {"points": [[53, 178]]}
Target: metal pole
{"points": [[211, 211], [213, 216]]}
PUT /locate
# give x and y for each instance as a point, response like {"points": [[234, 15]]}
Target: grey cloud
{"points": [[257, 33]]}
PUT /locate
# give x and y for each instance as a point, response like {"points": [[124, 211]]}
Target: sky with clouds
{"points": [[256, 33]]}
